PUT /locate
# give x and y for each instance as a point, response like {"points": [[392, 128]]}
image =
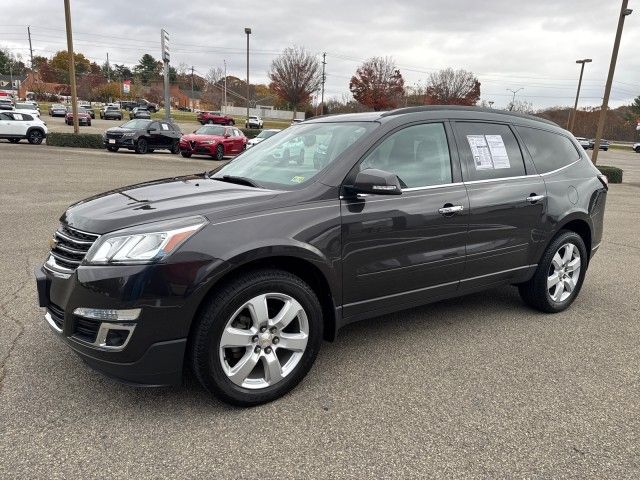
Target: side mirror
{"points": [[152, 130], [377, 182], [226, 135]]}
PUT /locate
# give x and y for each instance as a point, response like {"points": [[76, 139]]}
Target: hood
{"points": [[198, 137], [164, 199], [255, 140], [119, 130], [80, 114]]}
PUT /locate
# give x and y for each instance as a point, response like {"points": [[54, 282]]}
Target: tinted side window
{"points": [[6, 116], [489, 151], [27, 117], [418, 155], [548, 150]]}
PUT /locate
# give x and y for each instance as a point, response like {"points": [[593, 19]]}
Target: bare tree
{"points": [[294, 76], [377, 84], [212, 90], [452, 87], [522, 106]]}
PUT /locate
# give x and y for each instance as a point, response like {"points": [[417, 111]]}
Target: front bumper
{"points": [[167, 296], [122, 142], [198, 149]]}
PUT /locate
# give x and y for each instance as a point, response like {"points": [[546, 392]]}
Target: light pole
{"points": [[513, 101], [624, 11], [72, 66], [574, 113], [490, 102], [247, 30], [224, 95]]}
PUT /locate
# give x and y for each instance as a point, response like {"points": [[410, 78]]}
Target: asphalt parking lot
{"points": [[474, 387]]}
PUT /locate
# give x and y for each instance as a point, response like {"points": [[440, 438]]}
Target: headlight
{"points": [[129, 134], [145, 243], [208, 142]]}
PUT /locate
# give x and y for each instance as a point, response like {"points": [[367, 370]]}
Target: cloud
{"points": [[507, 43]]}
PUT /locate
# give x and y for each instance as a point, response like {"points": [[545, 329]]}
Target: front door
{"points": [[507, 202], [405, 250]]}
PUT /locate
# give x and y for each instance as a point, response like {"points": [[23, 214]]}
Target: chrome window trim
{"points": [[489, 180], [429, 187], [561, 168]]}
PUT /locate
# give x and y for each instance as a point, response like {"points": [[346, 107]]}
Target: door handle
{"points": [[450, 210], [534, 198]]}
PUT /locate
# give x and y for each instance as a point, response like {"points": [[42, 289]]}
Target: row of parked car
{"points": [[589, 143], [146, 135]]}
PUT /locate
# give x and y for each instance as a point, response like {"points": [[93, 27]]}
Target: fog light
{"points": [[108, 315]]}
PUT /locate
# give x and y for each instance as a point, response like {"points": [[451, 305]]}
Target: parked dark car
{"points": [[215, 117], [111, 113], [239, 273], [84, 118], [152, 107], [139, 112], [57, 110], [143, 136], [6, 103], [604, 144], [213, 140]]}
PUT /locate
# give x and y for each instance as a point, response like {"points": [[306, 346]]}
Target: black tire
{"points": [[150, 150], [142, 146], [113, 149], [637, 149], [605, 149], [219, 152], [209, 122], [186, 154], [175, 148], [88, 124], [35, 137], [535, 292], [231, 122], [209, 326], [14, 140]]}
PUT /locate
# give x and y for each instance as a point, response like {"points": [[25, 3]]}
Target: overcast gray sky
{"points": [[506, 43]]}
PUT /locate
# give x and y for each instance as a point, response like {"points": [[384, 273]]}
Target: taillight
{"points": [[604, 181]]}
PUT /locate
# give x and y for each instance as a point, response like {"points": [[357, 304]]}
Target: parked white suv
{"points": [[254, 122], [28, 108], [636, 147], [16, 125]]}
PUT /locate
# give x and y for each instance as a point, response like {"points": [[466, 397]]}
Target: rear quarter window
{"points": [[549, 151]]}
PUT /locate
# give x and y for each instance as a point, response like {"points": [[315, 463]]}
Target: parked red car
{"points": [[83, 117], [215, 117], [213, 140]]}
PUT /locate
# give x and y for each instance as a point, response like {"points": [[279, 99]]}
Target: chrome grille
{"points": [[69, 248]]}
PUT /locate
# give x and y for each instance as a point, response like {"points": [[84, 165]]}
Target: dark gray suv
{"points": [[240, 273]]}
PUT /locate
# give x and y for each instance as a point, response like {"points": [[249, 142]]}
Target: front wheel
{"points": [[186, 154], [175, 148], [142, 146], [559, 276], [219, 152], [257, 337], [35, 137], [637, 149]]}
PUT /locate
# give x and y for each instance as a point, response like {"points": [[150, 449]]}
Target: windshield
{"points": [[210, 130], [296, 155], [137, 124], [24, 106], [267, 133]]}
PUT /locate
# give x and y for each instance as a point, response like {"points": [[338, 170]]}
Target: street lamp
{"points": [[572, 115], [513, 101], [624, 11], [247, 30]]}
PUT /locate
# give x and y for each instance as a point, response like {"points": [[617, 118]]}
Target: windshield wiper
{"points": [[238, 180]]}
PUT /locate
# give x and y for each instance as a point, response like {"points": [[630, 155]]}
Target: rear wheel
{"points": [[559, 276], [209, 122], [35, 137], [257, 337], [142, 146], [175, 148], [112, 149], [637, 149]]}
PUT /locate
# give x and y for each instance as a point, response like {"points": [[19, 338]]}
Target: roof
{"points": [[450, 110], [7, 78]]}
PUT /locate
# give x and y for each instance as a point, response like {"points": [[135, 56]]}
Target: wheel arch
{"points": [[300, 263], [40, 129], [579, 223]]}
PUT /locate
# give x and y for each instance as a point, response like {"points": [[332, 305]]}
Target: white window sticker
{"points": [[165, 126], [498, 151], [480, 152], [17, 116], [488, 152]]}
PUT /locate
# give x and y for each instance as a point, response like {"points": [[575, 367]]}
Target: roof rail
{"points": [[435, 108]]}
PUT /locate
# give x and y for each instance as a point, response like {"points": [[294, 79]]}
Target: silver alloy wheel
{"points": [[258, 350], [564, 272]]}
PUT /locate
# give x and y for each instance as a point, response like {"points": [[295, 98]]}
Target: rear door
{"points": [[402, 250], [507, 201]]}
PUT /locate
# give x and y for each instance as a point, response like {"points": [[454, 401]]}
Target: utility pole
{"points": [[164, 43], [72, 66], [191, 106], [324, 77], [624, 11], [574, 113], [513, 101], [224, 95], [108, 69], [247, 30], [30, 46]]}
